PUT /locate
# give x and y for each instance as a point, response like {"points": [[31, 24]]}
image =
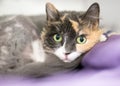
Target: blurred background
{"points": [[110, 9]]}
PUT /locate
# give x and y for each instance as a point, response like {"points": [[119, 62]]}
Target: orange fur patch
{"points": [[75, 25], [93, 36]]}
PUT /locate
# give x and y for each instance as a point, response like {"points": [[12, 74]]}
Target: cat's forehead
{"points": [[72, 18], [68, 22], [66, 26]]}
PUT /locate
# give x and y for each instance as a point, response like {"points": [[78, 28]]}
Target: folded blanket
{"points": [[104, 55]]}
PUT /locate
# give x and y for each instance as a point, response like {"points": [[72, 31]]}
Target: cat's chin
{"points": [[67, 61]]}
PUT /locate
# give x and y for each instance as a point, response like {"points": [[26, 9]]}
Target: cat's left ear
{"points": [[92, 14], [52, 13]]}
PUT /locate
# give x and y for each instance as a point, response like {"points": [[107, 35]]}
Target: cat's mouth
{"points": [[70, 57], [66, 59]]}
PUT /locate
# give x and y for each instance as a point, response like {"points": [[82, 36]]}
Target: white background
{"points": [[110, 9]]}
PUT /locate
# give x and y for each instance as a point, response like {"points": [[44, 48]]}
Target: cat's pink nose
{"points": [[67, 53]]}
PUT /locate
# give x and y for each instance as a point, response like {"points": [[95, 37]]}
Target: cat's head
{"points": [[69, 34]]}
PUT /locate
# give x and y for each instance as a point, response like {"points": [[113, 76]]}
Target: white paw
{"points": [[103, 38]]}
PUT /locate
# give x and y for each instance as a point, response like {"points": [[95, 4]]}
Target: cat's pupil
{"points": [[81, 38], [57, 36]]}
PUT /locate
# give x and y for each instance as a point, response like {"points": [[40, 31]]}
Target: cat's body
{"points": [[16, 35], [21, 50], [63, 41]]}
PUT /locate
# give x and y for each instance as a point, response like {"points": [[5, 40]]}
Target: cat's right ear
{"points": [[92, 14], [52, 13]]}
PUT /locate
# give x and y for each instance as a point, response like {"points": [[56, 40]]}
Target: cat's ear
{"points": [[51, 12], [92, 14]]}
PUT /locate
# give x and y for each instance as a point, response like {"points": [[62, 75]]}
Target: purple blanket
{"points": [[102, 68]]}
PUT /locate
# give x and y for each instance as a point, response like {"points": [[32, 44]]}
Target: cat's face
{"points": [[70, 34]]}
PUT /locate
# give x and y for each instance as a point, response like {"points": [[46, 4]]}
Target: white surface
{"points": [[33, 7], [110, 9]]}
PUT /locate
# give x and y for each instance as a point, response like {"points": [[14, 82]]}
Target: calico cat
{"points": [[66, 37]]}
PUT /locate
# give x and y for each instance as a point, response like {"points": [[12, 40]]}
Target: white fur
{"points": [[60, 52], [103, 38], [38, 53]]}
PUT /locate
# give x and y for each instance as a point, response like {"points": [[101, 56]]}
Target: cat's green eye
{"points": [[81, 40], [57, 38]]}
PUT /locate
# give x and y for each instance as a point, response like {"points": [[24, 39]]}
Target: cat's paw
{"points": [[103, 38]]}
